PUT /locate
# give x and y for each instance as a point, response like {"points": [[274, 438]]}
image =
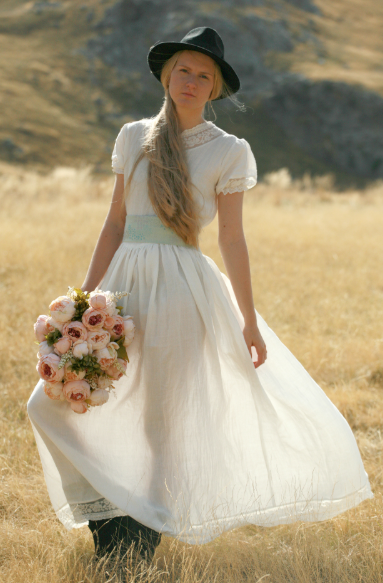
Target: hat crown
{"points": [[206, 38]]}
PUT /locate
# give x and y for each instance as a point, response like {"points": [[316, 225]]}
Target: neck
{"points": [[188, 119]]}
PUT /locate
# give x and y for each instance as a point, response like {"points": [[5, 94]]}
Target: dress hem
{"points": [[305, 511]]}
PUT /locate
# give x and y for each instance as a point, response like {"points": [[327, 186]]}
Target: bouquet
{"points": [[82, 347]]}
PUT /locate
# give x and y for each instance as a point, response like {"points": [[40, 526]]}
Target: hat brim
{"points": [[162, 51]]}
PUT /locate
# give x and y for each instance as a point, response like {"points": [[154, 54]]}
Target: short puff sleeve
{"points": [[118, 154], [238, 169]]}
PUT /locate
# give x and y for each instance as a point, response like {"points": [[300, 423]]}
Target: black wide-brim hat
{"points": [[202, 39]]}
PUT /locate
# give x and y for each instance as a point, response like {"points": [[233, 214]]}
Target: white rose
{"points": [[111, 309], [129, 330], [44, 349], [62, 309], [98, 397], [80, 349], [104, 382]]}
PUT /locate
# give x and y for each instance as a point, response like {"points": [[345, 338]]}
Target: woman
{"points": [[199, 439]]}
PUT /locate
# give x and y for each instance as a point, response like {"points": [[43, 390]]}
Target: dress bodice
{"points": [[217, 161]]}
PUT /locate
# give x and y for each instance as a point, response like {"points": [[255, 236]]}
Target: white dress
{"points": [[196, 440]]}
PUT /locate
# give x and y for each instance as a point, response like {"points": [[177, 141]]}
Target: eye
{"points": [[204, 76]]}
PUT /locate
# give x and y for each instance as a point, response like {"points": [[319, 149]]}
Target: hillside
{"points": [[312, 78]]}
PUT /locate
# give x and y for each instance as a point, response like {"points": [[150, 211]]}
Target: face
{"points": [[191, 80]]}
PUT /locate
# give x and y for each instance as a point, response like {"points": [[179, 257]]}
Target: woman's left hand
{"points": [[253, 337]]}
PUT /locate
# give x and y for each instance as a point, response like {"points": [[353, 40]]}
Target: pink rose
{"points": [[93, 319], [117, 327], [98, 339], [129, 330], [76, 390], [54, 391], [78, 407], [40, 327], [98, 397], [71, 375], [107, 356], [80, 349], [113, 371], [53, 325], [75, 330], [44, 349], [47, 367], [62, 309], [97, 301], [62, 345]]}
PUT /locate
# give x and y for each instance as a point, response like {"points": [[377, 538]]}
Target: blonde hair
{"points": [[169, 182]]}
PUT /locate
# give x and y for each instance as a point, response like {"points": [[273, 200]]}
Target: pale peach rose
{"points": [[54, 391], [75, 330], [47, 367], [106, 356], [44, 349], [76, 390], [129, 330], [93, 319], [71, 375], [62, 345], [113, 371], [116, 328], [98, 397], [53, 325], [80, 349], [97, 301], [104, 382], [40, 327], [62, 309], [79, 407], [98, 339], [109, 321]]}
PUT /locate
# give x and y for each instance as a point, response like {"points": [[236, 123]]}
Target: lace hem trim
{"points": [[238, 185], [73, 515]]}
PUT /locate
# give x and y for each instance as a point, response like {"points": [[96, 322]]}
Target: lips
{"points": [[188, 94]]}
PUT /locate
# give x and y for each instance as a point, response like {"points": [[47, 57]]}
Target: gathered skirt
{"points": [[194, 440]]}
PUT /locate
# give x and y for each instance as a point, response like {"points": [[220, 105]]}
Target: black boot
{"points": [[145, 539], [110, 536]]}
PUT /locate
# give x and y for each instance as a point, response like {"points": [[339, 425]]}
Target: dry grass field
{"points": [[316, 259]]}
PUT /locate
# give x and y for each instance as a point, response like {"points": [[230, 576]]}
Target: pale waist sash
{"points": [[150, 229]]}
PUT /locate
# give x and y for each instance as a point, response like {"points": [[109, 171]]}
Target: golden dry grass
{"points": [[317, 280]]}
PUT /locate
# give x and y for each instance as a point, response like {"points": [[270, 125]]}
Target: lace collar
{"points": [[201, 126], [200, 134]]}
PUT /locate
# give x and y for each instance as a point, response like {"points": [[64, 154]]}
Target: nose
{"points": [[191, 81]]}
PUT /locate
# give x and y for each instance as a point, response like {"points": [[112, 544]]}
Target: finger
{"points": [[261, 359]]}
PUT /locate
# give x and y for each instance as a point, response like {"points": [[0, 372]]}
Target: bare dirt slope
{"points": [[72, 73]]}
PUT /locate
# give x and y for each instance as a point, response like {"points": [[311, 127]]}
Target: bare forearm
{"points": [[236, 259], [108, 242]]}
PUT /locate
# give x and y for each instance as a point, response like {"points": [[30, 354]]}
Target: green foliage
{"points": [[119, 308], [52, 337], [88, 363], [121, 352], [81, 304]]}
